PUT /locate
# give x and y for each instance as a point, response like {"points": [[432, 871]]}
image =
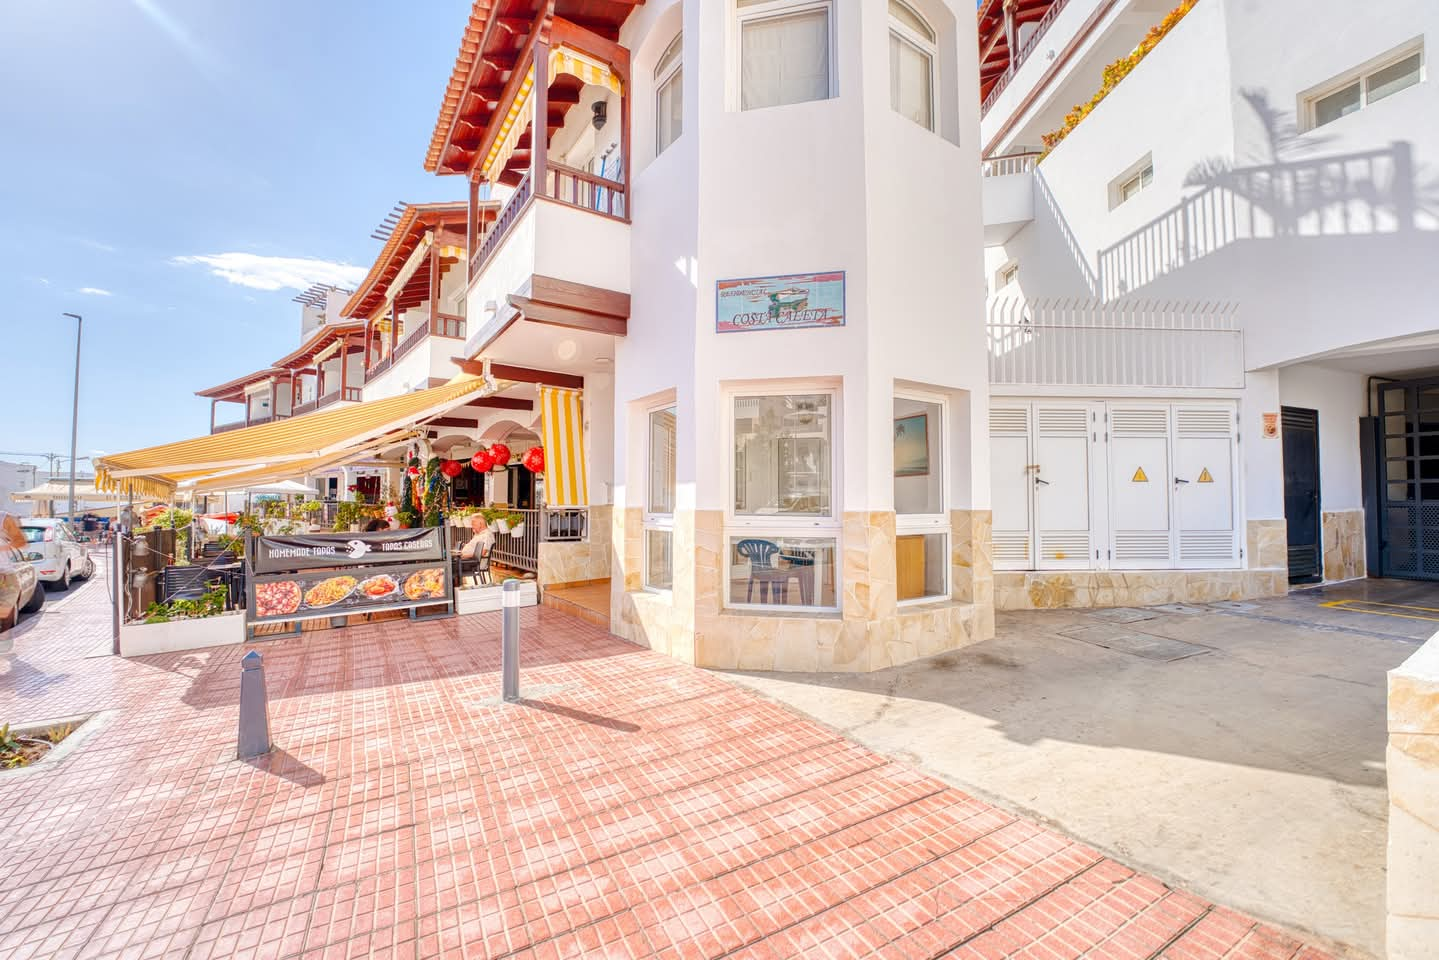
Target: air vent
{"points": [[1206, 545], [1064, 546], [1008, 420], [1137, 547], [1057, 421], [1011, 549], [1129, 422], [1194, 421]]}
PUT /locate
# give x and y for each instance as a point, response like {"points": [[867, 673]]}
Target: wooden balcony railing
{"points": [[448, 325], [379, 367], [517, 204], [412, 340], [303, 408], [586, 191], [226, 427]]}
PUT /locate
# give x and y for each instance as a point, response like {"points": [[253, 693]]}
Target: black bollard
{"points": [[254, 739], [510, 641]]}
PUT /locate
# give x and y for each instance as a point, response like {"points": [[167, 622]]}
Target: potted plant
{"points": [[516, 524]]}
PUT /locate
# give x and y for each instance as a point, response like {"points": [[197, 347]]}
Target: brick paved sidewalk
{"points": [[633, 807]]}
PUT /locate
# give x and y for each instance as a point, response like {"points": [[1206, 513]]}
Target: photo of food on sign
{"points": [[320, 593]]}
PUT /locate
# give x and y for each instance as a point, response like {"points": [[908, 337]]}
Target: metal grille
{"points": [[1408, 481]]}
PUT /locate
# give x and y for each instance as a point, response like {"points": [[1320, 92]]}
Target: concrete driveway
{"points": [[1236, 749]]}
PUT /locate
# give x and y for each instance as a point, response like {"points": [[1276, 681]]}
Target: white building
{"points": [[735, 243], [1218, 271], [15, 477]]}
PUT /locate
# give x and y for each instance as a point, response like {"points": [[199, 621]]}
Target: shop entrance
{"points": [[1408, 489]]}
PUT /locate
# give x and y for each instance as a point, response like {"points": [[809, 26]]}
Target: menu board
{"points": [[293, 578], [315, 550]]}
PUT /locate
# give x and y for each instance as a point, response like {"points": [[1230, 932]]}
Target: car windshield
{"points": [[34, 534]]}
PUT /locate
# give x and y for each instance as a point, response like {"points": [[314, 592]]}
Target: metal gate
{"points": [[1408, 466]]}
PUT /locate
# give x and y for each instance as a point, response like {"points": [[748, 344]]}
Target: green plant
{"points": [[249, 523], [514, 519], [209, 604], [1116, 72], [56, 734], [348, 512], [309, 506]]}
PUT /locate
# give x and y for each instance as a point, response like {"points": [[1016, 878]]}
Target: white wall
{"points": [[1339, 396], [15, 477]]}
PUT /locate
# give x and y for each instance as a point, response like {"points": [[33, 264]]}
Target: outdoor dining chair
{"points": [[762, 570]]}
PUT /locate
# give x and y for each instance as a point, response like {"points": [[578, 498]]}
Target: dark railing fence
{"points": [[448, 325], [1026, 48], [495, 236]]}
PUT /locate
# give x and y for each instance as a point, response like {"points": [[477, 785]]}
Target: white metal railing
{"points": [[1125, 343], [1010, 164]]}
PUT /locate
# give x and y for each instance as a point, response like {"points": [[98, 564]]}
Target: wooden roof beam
{"points": [[506, 371]]}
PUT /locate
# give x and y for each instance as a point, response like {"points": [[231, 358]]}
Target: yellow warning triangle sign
{"points": [[1204, 476], [1139, 476]]}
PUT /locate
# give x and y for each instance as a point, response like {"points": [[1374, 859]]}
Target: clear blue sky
{"points": [[135, 133]]}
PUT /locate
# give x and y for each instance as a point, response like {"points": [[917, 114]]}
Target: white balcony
{"points": [[1008, 196]]}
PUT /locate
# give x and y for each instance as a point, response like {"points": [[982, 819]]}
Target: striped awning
{"points": [[562, 60], [281, 448], [562, 429]]}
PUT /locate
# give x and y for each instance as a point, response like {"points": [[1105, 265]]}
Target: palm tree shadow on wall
{"points": [[1300, 205]]}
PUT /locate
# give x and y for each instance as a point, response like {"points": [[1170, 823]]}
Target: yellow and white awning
{"points": [[288, 447], [562, 60], [562, 430]]}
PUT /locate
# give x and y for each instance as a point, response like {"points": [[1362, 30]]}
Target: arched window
{"points": [[911, 64], [669, 96]]}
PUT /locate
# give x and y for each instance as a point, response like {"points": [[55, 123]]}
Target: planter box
{"points": [[487, 599], [143, 639]]}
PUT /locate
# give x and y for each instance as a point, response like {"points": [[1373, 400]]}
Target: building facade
{"points": [[1222, 268]]}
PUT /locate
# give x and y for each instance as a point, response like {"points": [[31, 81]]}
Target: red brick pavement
{"points": [[633, 808]]}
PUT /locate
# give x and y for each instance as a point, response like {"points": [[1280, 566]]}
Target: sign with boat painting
{"points": [[793, 302]]}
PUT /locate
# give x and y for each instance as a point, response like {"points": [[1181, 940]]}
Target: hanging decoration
{"points": [[534, 460], [452, 468], [500, 455], [482, 461]]}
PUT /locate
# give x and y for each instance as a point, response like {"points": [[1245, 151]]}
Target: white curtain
{"points": [[669, 111], [785, 59], [911, 79]]}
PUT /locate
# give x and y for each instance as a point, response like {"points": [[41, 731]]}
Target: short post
{"points": [[254, 740], [510, 642]]}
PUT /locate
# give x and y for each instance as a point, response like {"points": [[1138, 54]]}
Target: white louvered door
{"points": [[1011, 481], [1139, 487], [1063, 456], [1205, 494]]}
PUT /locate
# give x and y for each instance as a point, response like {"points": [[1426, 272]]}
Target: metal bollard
{"points": [[510, 641], [254, 740]]}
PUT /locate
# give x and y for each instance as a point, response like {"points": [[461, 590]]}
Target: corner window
{"points": [[659, 515], [1365, 87], [1129, 184], [782, 536], [785, 52], [669, 96], [1007, 274], [922, 565], [911, 64]]}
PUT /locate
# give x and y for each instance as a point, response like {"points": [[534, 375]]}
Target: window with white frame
{"points": [[921, 505], [659, 514], [669, 96], [786, 52], [1128, 184], [783, 522], [911, 64], [1006, 275], [1364, 87]]}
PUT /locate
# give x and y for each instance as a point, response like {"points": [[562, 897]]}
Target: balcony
{"points": [[444, 325], [1008, 195]]}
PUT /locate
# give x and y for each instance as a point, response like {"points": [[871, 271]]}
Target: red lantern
{"points": [[452, 468], [534, 460], [499, 454], [482, 461]]}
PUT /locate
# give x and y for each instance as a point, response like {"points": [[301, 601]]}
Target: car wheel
{"points": [[36, 601], [89, 568], [64, 582]]}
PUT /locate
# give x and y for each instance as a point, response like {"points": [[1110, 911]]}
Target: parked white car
{"points": [[55, 550], [31, 595]]}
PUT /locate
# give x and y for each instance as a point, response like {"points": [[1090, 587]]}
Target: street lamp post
{"points": [[75, 409]]}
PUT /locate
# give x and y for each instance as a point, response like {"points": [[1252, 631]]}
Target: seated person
{"points": [[376, 524], [482, 540]]}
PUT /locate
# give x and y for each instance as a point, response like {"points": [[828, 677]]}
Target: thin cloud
{"points": [[95, 292], [96, 245], [275, 273]]}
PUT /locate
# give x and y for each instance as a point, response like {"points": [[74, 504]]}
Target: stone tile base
{"points": [[1412, 762], [1343, 544], [1055, 589]]}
